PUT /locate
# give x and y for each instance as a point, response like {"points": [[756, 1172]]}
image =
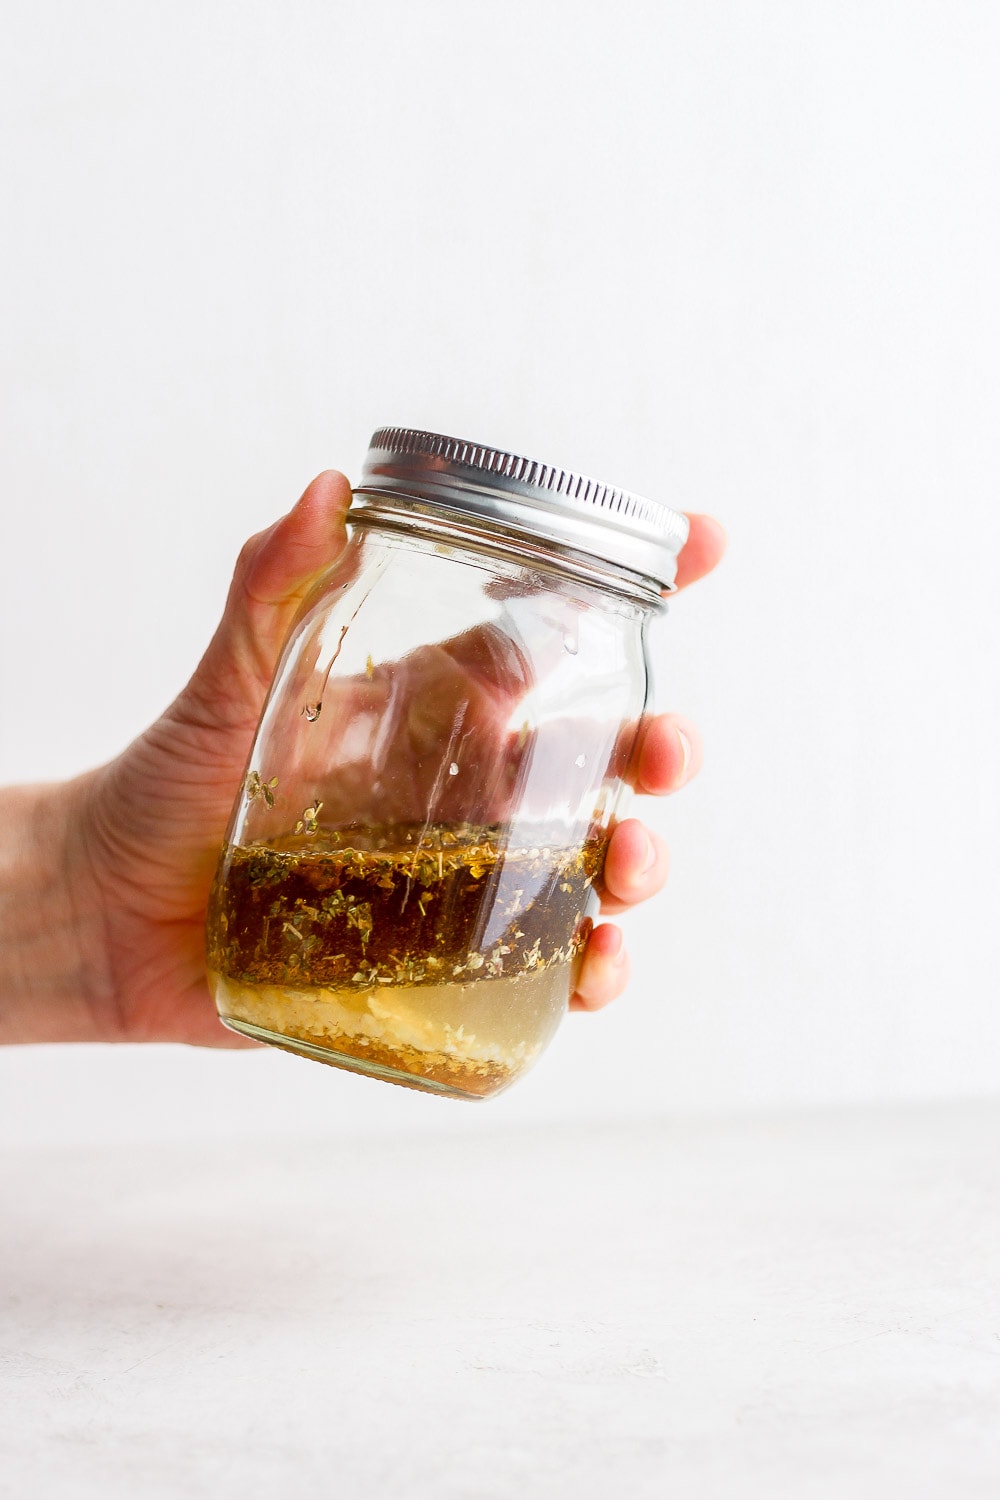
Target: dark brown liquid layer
{"points": [[414, 907]]}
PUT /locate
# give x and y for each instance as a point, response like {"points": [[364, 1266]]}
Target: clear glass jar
{"points": [[414, 862]]}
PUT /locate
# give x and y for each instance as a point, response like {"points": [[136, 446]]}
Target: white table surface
{"points": [[801, 1306]]}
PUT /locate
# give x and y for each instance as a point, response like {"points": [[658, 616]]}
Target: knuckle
{"points": [[248, 555]]}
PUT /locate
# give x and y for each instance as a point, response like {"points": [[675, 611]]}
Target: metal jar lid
{"points": [[566, 511]]}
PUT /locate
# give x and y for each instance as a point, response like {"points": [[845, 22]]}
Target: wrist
{"points": [[53, 979]]}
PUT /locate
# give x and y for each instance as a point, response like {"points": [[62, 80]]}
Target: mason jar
{"points": [[414, 861]]}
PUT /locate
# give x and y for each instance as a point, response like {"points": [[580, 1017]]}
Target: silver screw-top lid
{"points": [[567, 511]]}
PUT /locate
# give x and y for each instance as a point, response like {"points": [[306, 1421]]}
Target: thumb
{"points": [[275, 572]]}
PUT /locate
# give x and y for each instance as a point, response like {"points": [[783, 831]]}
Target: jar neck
{"points": [[425, 521]]}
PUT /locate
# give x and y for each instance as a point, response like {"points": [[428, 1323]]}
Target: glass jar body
{"points": [[414, 862]]}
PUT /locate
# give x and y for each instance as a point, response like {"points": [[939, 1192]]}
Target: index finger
{"points": [[704, 547]]}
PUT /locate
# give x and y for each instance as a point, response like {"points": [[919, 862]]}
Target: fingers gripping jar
{"points": [[414, 862]]}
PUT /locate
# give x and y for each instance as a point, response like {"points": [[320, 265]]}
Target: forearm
{"points": [[52, 967]]}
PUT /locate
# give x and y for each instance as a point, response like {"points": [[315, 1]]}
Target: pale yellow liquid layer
{"points": [[475, 1037]]}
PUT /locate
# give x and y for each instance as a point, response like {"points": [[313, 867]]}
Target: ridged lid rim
{"points": [[560, 505]]}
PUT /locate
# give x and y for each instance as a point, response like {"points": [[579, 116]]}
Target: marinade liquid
{"points": [[439, 958]]}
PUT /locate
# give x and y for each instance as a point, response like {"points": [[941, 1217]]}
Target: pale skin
{"points": [[104, 879]]}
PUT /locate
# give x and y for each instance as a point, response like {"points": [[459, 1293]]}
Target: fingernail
{"points": [[618, 951], [686, 753], [649, 857]]}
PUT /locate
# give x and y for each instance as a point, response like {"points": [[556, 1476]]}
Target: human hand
{"points": [[138, 839]]}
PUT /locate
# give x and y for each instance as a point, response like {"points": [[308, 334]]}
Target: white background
{"points": [[740, 257]]}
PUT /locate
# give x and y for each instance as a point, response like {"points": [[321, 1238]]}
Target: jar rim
{"points": [[430, 523]]}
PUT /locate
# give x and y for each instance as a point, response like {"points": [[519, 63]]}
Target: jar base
{"points": [[348, 1063]]}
